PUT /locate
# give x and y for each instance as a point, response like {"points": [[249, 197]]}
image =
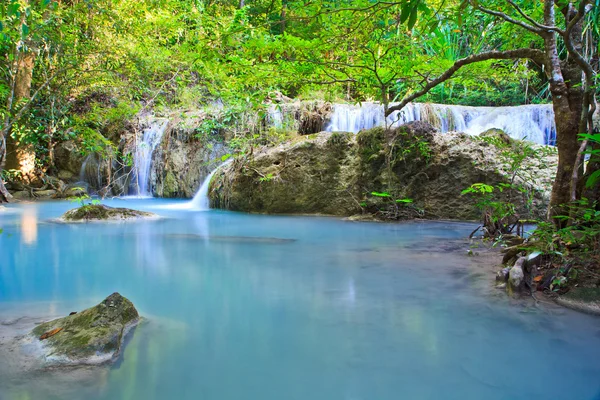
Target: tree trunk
{"points": [[283, 16], [5, 197], [21, 156], [567, 128]]}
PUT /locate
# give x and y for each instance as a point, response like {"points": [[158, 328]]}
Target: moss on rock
{"points": [[413, 171], [100, 212], [94, 335]]}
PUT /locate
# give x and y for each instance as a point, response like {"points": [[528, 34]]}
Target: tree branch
{"points": [[509, 19], [581, 11], [532, 54]]}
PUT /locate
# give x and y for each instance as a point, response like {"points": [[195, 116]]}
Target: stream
{"points": [[241, 306]]}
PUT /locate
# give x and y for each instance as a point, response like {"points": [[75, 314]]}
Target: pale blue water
{"points": [[349, 311]]}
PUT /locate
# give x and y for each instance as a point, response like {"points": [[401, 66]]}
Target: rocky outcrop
{"points": [[304, 117], [407, 172], [92, 336], [68, 160], [186, 155], [100, 212]]}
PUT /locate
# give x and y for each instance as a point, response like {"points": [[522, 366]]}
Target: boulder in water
{"points": [[100, 212], [92, 336], [516, 276]]}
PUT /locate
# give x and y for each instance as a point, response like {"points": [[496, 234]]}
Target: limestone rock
{"points": [[100, 212], [411, 171], [184, 157], [45, 194], [66, 175], [76, 189], [22, 195], [68, 157], [503, 274], [92, 336], [516, 276]]}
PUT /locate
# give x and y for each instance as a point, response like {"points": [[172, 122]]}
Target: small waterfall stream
{"points": [[200, 201], [531, 122], [142, 157], [90, 172]]}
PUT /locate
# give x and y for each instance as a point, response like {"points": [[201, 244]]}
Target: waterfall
{"points": [[531, 122], [90, 172], [275, 116], [142, 157], [200, 200]]}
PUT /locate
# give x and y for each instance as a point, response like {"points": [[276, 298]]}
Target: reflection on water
{"points": [[29, 225], [255, 307]]}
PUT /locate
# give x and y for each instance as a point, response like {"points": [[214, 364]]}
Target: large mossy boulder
{"points": [[100, 212], [410, 171], [307, 176], [92, 336]]}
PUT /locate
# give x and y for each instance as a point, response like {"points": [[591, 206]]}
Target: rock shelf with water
{"points": [[100, 212], [92, 336], [337, 174]]}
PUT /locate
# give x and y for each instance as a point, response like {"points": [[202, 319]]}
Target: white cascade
{"points": [[142, 158], [200, 201], [276, 117], [90, 172], [531, 122]]}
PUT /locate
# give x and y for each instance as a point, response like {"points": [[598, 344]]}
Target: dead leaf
{"points": [[538, 278], [50, 333]]}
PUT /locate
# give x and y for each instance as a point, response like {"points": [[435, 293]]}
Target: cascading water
{"points": [[200, 201], [142, 157], [531, 122], [91, 173]]}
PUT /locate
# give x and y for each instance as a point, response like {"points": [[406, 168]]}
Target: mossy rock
{"points": [[336, 173], [92, 336], [100, 212], [497, 137]]}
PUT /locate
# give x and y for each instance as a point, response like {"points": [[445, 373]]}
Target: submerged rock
{"points": [[232, 239], [582, 299], [100, 212], [92, 336], [411, 171]]}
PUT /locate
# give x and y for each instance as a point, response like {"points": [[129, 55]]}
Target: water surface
{"points": [[269, 308]]}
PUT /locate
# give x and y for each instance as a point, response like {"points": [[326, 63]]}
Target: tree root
{"points": [[5, 196]]}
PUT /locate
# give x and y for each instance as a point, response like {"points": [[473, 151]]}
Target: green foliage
{"points": [[500, 214], [267, 178], [594, 139], [479, 188], [382, 194], [82, 198], [98, 64], [574, 248], [10, 174]]}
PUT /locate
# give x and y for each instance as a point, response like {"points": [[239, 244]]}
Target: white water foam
{"points": [[531, 122]]}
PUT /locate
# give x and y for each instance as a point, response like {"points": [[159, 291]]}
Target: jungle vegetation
{"points": [[79, 69]]}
